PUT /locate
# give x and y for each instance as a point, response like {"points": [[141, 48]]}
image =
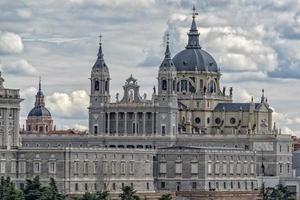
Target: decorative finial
{"points": [[251, 99], [168, 38], [40, 83], [194, 12], [100, 39], [263, 95]]}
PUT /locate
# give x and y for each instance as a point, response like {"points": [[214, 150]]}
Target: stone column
{"points": [[153, 122], [156, 124], [135, 123], [125, 123], [108, 122], [117, 122], [144, 123]]}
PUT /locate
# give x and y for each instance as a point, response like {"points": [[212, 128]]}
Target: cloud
{"points": [[69, 105], [20, 67], [77, 127], [10, 43], [24, 13]]}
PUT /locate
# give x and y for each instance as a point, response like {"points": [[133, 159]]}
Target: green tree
{"points": [[8, 190], [51, 192], [102, 195], [95, 196], [165, 197], [33, 189], [128, 193], [281, 192]]}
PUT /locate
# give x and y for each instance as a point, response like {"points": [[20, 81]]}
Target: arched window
{"points": [[164, 85], [201, 84], [106, 86], [184, 85], [212, 87], [174, 85], [97, 85]]}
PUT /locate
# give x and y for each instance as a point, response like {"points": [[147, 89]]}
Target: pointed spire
{"points": [[167, 52], [193, 34], [40, 83], [263, 95], [100, 53], [100, 63], [167, 62]]}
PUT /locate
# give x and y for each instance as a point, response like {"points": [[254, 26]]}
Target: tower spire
{"points": [[167, 62], [40, 83], [193, 34], [167, 52], [100, 63]]}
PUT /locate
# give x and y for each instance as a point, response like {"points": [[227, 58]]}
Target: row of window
{"points": [[95, 187], [216, 185], [217, 120], [222, 168], [37, 167], [107, 167]]}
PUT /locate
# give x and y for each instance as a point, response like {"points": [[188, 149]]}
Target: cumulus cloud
{"points": [[20, 67], [10, 43], [69, 105], [77, 127]]}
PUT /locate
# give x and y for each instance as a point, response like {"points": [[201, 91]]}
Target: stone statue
{"points": [[230, 91], [131, 98], [145, 96], [204, 89], [117, 97], [224, 90], [154, 90]]}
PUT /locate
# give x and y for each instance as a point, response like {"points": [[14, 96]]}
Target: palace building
{"points": [[188, 137]]}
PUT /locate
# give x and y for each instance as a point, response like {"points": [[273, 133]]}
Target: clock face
{"points": [[263, 146]]}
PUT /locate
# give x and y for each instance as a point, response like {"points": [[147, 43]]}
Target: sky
{"points": [[255, 44]]}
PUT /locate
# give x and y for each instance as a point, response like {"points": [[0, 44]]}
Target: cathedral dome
{"points": [[192, 59], [39, 111]]}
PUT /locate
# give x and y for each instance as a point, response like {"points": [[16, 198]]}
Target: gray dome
{"points": [[39, 111], [189, 58]]}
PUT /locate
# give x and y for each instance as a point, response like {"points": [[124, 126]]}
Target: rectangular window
{"points": [[13, 167], [122, 167], [94, 167], [114, 186], [76, 186], [95, 130], [131, 168], [52, 167], [163, 168], [86, 168], [105, 167], [86, 187], [178, 168], [113, 167], [217, 168], [209, 168], [194, 185], [76, 167], [231, 168], [224, 168], [148, 186], [22, 167], [163, 130], [239, 168], [162, 185], [36, 167], [194, 168], [3, 167], [245, 168], [252, 168]]}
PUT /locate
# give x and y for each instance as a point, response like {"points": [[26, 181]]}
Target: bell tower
{"points": [[167, 97], [100, 94]]}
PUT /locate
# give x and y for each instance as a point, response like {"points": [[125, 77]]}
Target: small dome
{"points": [[190, 58], [39, 111]]}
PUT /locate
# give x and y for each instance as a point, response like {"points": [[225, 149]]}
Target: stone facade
{"points": [[189, 136]]}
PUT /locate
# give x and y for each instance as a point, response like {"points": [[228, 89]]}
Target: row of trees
{"points": [[280, 192], [32, 191], [35, 191]]}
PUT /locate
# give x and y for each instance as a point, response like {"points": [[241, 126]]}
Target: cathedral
{"points": [[188, 137]]}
